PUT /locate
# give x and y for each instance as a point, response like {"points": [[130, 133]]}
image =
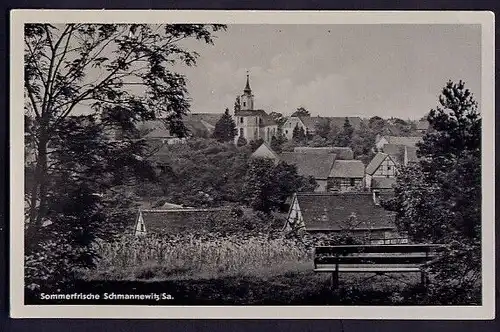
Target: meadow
{"points": [[238, 269]]}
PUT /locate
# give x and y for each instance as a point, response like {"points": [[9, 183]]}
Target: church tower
{"points": [[247, 97]]}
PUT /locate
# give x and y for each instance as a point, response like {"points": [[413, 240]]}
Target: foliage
{"points": [[225, 128], [203, 173], [279, 118], [76, 179], [345, 136], [237, 104], [277, 142], [242, 141], [322, 127], [254, 144], [439, 199], [267, 185], [301, 111], [299, 135]]}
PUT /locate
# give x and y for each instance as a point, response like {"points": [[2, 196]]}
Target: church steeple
{"points": [[247, 96], [247, 86]]}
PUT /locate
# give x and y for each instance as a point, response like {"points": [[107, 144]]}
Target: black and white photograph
{"points": [[260, 161]]}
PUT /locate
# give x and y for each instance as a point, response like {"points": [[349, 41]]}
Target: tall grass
{"points": [[190, 256]]}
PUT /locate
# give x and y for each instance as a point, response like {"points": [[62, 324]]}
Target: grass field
{"points": [[233, 270]]}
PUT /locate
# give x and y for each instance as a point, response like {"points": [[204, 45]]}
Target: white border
{"points": [[19, 310]]}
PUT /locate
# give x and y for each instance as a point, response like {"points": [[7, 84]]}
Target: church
{"points": [[253, 124]]}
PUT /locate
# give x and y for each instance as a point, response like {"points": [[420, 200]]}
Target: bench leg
{"points": [[335, 279]]}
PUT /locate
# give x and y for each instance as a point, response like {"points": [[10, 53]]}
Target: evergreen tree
{"points": [[299, 135], [277, 142], [225, 128], [344, 138], [439, 199]]}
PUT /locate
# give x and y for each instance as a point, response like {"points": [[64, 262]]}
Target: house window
{"points": [[353, 182], [376, 197], [286, 131], [142, 227], [388, 167]]}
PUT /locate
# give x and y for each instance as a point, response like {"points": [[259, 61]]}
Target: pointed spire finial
{"points": [[247, 86]]}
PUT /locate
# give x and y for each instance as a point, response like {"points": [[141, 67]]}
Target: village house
{"points": [[346, 175], [201, 124], [177, 220], [410, 141], [382, 166], [359, 214], [423, 126], [253, 124], [157, 130], [317, 165], [309, 123], [265, 151], [401, 154], [333, 168]]}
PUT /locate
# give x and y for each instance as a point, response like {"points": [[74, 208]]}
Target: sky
{"points": [[335, 70]]}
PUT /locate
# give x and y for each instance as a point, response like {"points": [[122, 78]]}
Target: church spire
{"points": [[247, 86]]}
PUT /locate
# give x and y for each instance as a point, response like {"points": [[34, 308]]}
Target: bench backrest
{"points": [[376, 254]]}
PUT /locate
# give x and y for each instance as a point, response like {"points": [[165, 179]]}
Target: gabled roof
{"points": [[383, 182], [402, 140], [347, 169], [315, 165], [173, 221], [265, 151], [375, 162], [396, 151], [423, 125], [342, 211], [155, 129], [344, 153]]}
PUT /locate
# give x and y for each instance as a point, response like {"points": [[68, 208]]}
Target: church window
{"points": [[241, 120], [241, 131], [244, 104], [286, 131]]}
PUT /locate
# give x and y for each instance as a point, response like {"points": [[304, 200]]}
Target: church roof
{"points": [[321, 211]]}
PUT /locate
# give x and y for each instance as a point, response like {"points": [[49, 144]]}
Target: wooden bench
{"points": [[378, 259]]}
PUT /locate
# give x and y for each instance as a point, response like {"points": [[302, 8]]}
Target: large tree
{"points": [[225, 128], [267, 186], [301, 111], [113, 75], [438, 200]]}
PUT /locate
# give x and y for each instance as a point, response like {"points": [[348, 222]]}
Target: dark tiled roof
{"points": [[375, 162], [411, 154], [396, 151], [315, 165], [173, 221], [347, 169], [210, 118], [402, 140], [344, 153], [333, 212], [383, 182], [265, 151]]}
